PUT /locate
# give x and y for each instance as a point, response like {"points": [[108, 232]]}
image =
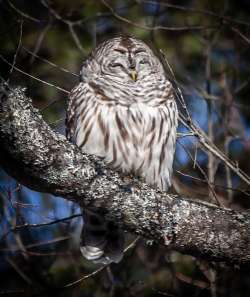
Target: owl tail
{"points": [[101, 241]]}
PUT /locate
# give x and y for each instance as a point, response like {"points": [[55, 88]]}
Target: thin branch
{"points": [[213, 193], [154, 28], [23, 275], [40, 40], [209, 146], [27, 225], [188, 9], [23, 14], [211, 165], [244, 37], [67, 22], [76, 39], [33, 77], [226, 188], [71, 284], [37, 244], [17, 50], [204, 140], [49, 62]]}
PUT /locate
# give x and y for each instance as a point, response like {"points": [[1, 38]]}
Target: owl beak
{"points": [[133, 75]]}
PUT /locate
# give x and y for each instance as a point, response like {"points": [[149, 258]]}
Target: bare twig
{"points": [[154, 28], [71, 284], [23, 14], [23, 275], [27, 225], [40, 40], [189, 9], [33, 54], [244, 37], [17, 50], [33, 77], [210, 146], [226, 188]]}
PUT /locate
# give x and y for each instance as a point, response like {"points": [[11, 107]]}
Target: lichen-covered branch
{"points": [[45, 161]]}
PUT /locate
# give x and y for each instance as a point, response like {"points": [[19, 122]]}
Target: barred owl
{"points": [[124, 111]]}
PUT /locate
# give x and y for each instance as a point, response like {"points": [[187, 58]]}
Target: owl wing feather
{"points": [[75, 99]]}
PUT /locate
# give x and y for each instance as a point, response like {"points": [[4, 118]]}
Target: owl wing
{"points": [[75, 100], [70, 121]]}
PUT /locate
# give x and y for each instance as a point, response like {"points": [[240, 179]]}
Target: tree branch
{"points": [[45, 161]]}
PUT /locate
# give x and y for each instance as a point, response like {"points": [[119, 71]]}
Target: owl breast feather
{"points": [[134, 138]]}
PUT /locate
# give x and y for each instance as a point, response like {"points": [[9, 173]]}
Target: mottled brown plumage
{"points": [[123, 110]]}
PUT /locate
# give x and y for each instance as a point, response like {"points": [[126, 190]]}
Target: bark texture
{"points": [[45, 161]]}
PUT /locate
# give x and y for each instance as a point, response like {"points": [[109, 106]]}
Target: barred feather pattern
{"points": [[131, 123]]}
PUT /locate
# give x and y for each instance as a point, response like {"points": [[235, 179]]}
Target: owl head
{"points": [[123, 58]]}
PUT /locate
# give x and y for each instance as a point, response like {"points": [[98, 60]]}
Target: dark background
{"points": [[207, 45]]}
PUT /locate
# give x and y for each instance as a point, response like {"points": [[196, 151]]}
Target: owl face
{"points": [[127, 59], [129, 64]]}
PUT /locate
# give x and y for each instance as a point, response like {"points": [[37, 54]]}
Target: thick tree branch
{"points": [[45, 161]]}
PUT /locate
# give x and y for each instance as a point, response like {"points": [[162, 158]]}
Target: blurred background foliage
{"points": [[207, 45]]}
